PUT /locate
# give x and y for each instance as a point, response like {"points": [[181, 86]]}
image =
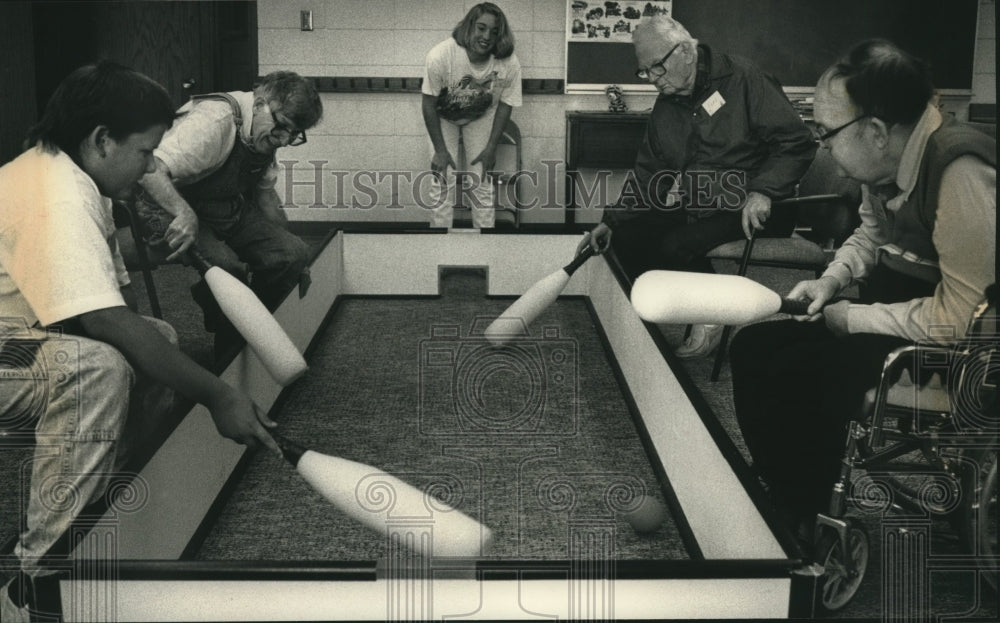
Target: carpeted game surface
{"points": [[535, 440]]}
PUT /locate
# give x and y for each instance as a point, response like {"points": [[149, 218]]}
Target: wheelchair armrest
{"points": [[898, 363], [897, 360]]}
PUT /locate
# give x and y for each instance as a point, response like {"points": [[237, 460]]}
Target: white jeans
{"points": [[81, 392], [477, 193]]}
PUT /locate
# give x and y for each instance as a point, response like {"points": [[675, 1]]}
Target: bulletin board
{"points": [[599, 43], [794, 40]]}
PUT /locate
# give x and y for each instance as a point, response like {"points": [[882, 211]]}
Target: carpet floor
{"points": [[535, 436]]}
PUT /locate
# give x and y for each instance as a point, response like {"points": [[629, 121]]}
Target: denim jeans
{"points": [[245, 243], [445, 196], [77, 395], [256, 247]]}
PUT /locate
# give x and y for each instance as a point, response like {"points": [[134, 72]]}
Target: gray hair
{"points": [[296, 96], [669, 29]]}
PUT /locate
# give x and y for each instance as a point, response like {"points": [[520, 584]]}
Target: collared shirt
{"points": [[737, 127], [964, 237], [200, 140]]}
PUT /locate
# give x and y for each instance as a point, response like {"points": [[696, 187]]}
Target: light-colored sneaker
{"points": [[703, 340], [8, 611]]}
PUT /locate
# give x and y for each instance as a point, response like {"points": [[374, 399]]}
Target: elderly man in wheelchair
{"points": [[927, 449], [923, 257]]}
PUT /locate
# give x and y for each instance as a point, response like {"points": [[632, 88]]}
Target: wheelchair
{"points": [[928, 449]]}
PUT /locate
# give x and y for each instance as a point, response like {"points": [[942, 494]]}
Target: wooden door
{"points": [[17, 74], [171, 42], [188, 47]]}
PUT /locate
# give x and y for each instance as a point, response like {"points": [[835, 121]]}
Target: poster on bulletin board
{"points": [[608, 22], [599, 42]]}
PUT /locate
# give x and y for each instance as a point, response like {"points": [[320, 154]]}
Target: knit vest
{"points": [[911, 249]]}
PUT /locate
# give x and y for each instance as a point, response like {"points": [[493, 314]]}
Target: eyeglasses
{"points": [[822, 138], [289, 137], [656, 69]]}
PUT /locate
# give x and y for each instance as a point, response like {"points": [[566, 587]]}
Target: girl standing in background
{"points": [[472, 80]]}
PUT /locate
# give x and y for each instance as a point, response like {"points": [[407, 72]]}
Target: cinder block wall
{"points": [[358, 161]]}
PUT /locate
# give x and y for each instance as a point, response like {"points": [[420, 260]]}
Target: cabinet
{"points": [[600, 140]]}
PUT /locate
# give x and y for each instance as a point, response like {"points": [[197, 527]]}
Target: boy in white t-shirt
{"points": [[73, 351], [472, 80]]}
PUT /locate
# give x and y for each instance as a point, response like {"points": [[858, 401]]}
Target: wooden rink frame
{"points": [[131, 567]]}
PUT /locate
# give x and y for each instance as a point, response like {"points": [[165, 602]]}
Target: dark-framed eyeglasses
{"points": [[822, 138], [289, 137], [656, 69]]}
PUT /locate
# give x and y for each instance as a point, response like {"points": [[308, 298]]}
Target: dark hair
{"points": [[466, 28], [296, 97], [117, 97], [885, 81]]}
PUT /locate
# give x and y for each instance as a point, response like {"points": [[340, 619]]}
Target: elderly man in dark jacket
{"points": [[723, 142]]}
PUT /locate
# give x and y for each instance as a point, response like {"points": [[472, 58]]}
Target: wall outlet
{"points": [[306, 20]]}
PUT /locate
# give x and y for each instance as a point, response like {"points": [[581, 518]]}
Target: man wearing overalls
{"points": [[213, 187]]}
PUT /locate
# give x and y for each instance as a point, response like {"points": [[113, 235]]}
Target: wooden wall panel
{"points": [[17, 75], [172, 42], [169, 41]]}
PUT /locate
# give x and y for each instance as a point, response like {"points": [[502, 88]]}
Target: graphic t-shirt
{"points": [[466, 91]]}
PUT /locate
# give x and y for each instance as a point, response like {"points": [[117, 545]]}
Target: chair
{"points": [[929, 446], [827, 207], [509, 211], [506, 196], [133, 250]]}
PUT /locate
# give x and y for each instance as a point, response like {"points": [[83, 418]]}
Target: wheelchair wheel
{"points": [[838, 585], [980, 525]]}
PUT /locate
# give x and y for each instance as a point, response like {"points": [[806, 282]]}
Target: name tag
{"points": [[714, 102]]}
